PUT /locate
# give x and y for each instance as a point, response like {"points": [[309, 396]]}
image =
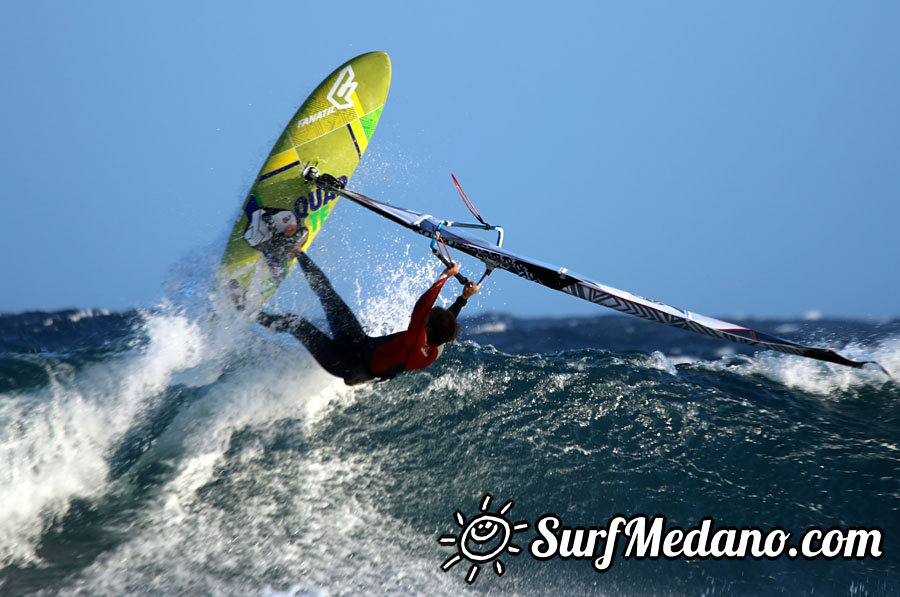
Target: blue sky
{"points": [[723, 158]]}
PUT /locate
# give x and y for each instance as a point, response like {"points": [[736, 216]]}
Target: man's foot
{"points": [[279, 323]]}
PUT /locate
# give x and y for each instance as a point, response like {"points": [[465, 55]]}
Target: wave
{"points": [[184, 449]]}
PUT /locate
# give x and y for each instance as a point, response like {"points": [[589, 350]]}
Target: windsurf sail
{"points": [[559, 278]]}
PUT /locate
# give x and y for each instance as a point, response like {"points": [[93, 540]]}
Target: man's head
{"points": [[285, 223], [442, 326]]}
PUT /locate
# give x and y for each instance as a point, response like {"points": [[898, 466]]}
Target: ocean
{"points": [[173, 451]]}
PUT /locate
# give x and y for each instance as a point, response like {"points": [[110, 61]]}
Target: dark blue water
{"points": [[164, 452]]}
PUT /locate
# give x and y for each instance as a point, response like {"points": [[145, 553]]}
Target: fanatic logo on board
{"points": [[343, 89], [483, 539]]}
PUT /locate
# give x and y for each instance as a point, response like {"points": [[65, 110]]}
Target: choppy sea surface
{"points": [[172, 451]]}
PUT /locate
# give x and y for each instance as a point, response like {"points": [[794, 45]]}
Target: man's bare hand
{"points": [[451, 271], [469, 289]]}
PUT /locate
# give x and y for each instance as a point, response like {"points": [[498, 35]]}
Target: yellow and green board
{"points": [[331, 130]]}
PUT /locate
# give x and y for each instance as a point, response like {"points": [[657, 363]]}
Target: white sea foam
{"points": [[314, 514], [460, 383], [50, 452], [658, 360], [787, 328], [298, 590], [387, 309], [86, 314], [818, 377], [683, 359], [317, 508], [54, 438], [812, 315], [491, 328]]}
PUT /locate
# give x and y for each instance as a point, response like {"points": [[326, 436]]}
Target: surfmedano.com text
{"points": [[644, 537]]}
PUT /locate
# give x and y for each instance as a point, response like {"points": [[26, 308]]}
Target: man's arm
{"points": [[423, 306], [462, 301]]}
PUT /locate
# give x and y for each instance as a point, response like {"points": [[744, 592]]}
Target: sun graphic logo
{"points": [[483, 539]]}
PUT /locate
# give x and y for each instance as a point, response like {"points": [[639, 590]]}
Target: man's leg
{"points": [[278, 323], [341, 319], [327, 352], [276, 265]]}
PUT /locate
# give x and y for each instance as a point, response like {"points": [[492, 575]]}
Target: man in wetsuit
{"points": [[276, 233], [356, 357]]}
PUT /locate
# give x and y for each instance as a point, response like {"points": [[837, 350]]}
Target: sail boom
{"points": [[562, 280]]}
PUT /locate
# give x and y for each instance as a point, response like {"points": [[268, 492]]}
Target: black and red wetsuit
{"points": [[403, 351], [352, 354]]}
